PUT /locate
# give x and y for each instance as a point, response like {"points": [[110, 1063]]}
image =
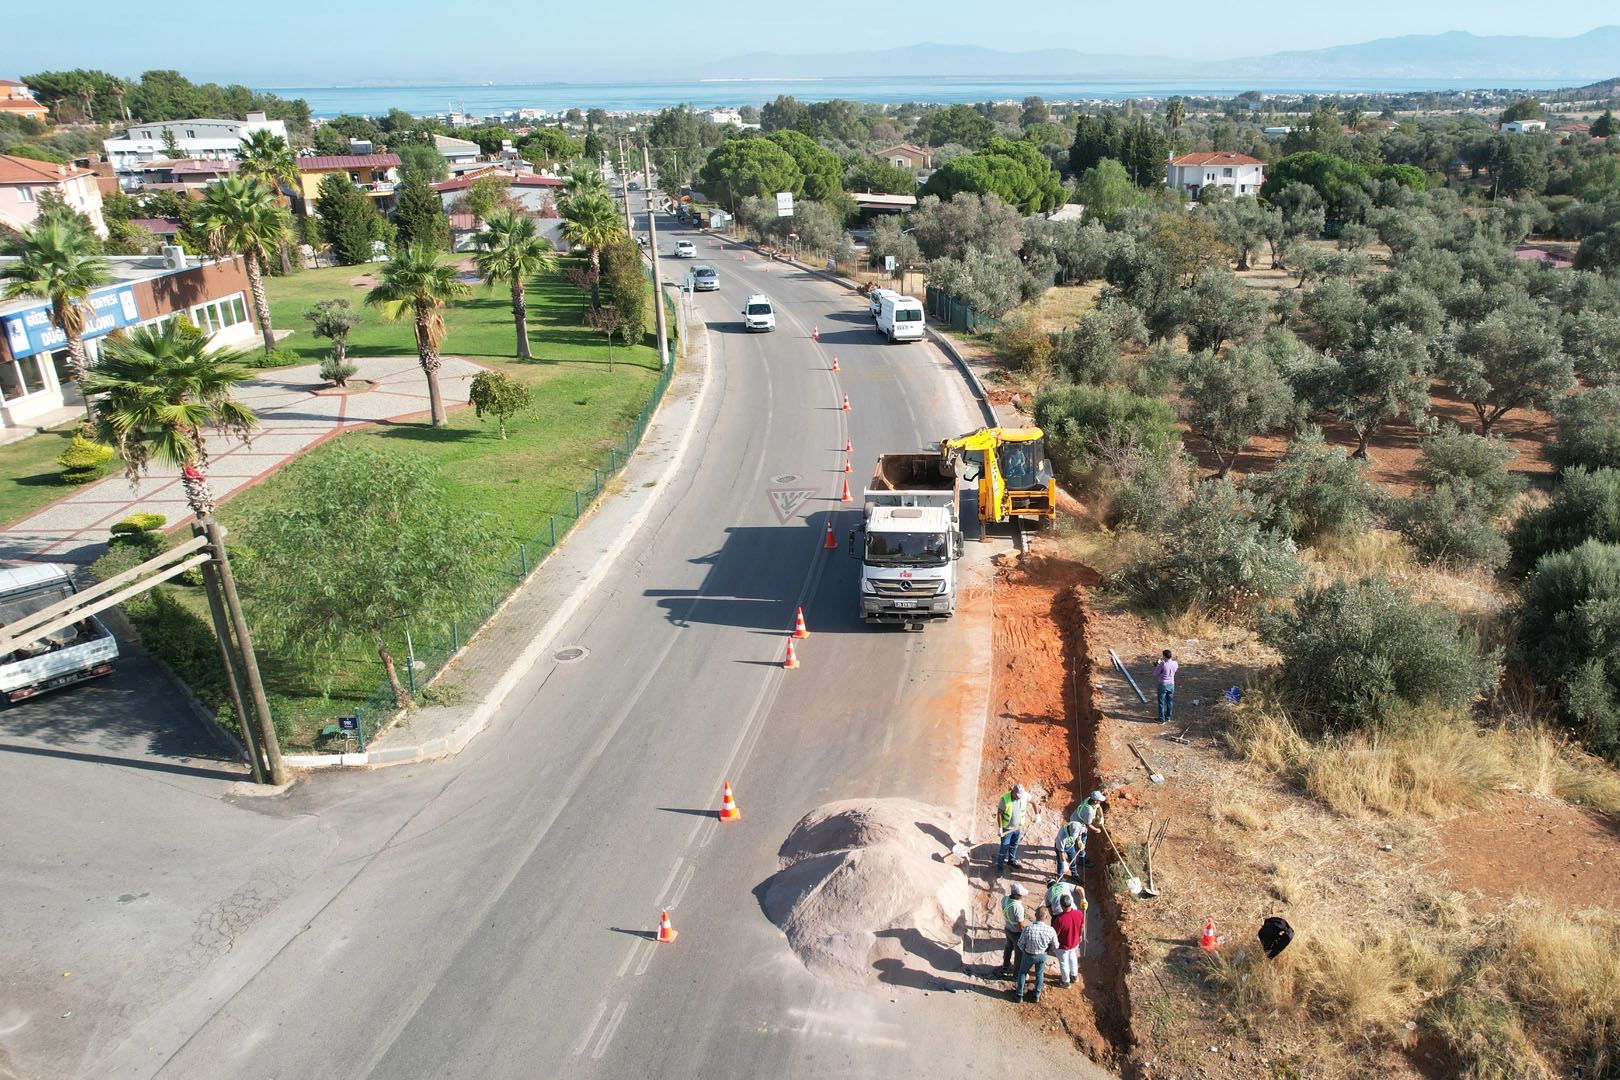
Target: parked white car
{"points": [[875, 299]]}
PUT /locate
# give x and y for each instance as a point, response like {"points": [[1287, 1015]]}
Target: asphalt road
{"points": [[490, 915]]}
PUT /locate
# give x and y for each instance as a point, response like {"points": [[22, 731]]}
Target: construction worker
{"points": [[1011, 815], [1056, 890], [1164, 673], [1070, 847], [1037, 940], [1070, 926], [1012, 915], [1090, 815]]}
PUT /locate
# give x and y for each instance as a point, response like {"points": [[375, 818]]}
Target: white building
{"points": [[1522, 126], [725, 116], [1240, 174], [455, 151], [202, 140]]}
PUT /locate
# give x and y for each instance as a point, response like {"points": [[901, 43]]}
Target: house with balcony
{"points": [[456, 151], [1238, 173], [22, 180], [1524, 127], [375, 174], [17, 100], [199, 140], [532, 191]]}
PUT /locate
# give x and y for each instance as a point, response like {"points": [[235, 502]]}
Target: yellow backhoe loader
{"points": [[1015, 478]]}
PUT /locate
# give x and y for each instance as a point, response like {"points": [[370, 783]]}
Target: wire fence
{"points": [[957, 314], [427, 654]]}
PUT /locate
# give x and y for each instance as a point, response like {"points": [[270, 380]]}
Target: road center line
{"points": [[585, 1039], [608, 1032]]}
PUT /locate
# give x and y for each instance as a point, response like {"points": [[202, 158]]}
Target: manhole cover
{"points": [[785, 478], [570, 654]]}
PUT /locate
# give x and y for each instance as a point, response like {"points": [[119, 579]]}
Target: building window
{"points": [[190, 134], [1226, 172], [10, 381], [25, 194], [218, 314]]}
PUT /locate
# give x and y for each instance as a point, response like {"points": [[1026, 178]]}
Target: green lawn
{"points": [[582, 410], [30, 478]]}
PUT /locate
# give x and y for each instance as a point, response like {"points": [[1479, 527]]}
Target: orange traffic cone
{"points": [[849, 447], [728, 806], [831, 543], [792, 661], [815, 332], [846, 403], [799, 629], [835, 361], [666, 932], [1208, 940], [846, 464], [845, 496]]}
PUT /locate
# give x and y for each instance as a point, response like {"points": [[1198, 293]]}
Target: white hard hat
{"points": [[1018, 790], [1097, 796], [1015, 889]]}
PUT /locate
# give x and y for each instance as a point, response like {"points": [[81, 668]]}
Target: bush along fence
{"points": [[427, 655], [957, 314]]}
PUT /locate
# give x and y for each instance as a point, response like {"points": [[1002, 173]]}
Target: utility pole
{"points": [[624, 186], [658, 281]]}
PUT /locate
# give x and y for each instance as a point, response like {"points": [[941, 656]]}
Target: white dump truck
{"points": [[82, 650], [909, 541]]}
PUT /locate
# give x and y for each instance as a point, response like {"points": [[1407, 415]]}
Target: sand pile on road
{"points": [[868, 885]]}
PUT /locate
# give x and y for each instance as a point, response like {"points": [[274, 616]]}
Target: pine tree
{"points": [[349, 221], [419, 217]]}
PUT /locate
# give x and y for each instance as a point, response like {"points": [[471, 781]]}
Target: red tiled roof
{"points": [[463, 221], [10, 82], [16, 170], [348, 161], [21, 104], [1220, 157]]}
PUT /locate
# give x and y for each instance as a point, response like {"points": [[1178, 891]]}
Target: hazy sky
{"points": [[328, 42]]}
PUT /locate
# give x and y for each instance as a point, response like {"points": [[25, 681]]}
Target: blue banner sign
{"points": [[29, 332]]}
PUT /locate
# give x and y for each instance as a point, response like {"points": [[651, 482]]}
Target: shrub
{"points": [[1080, 420], [1569, 627], [1216, 554], [1146, 489], [139, 523], [1316, 490], [1023, 343], [337, 372], [1089, 353], [183, 641], [1478, 463], [84, 461], [1356, 653], [1586, 506], [1589, 429], [278, 358], [1449, 528]]}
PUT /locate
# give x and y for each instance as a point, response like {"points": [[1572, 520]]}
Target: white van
{"points": [[758, 314], [900, 318]]}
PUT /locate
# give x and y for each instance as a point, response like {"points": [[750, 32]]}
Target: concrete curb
{"points": [[457, 740]]}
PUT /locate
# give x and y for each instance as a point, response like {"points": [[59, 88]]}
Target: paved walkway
{"points": [[296, 410]]}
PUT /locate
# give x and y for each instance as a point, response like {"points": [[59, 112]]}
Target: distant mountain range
{"points": [[1493, 61]]}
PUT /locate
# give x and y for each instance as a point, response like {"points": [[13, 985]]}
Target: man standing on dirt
{"points": [[1090, 816], [1070, 927], [1165, 672], [1070, 847], [1037, 940], [1011, 813], [1012, 915]]}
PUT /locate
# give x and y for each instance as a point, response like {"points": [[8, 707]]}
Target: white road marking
{"points": [[585, 1038], [608, 1032]]}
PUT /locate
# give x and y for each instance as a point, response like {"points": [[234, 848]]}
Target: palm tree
{"points": [[266, 155], [242, 218], [1175, 114], [511, 250], [592, 222], [161, 389], [59, 263], [419, 278], [582, 182]]}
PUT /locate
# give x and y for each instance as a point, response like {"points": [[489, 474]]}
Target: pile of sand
{"points": [[868, 883]]}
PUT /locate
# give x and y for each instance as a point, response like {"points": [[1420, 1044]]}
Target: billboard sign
{"points": [[31, 331], [784, 204]]}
